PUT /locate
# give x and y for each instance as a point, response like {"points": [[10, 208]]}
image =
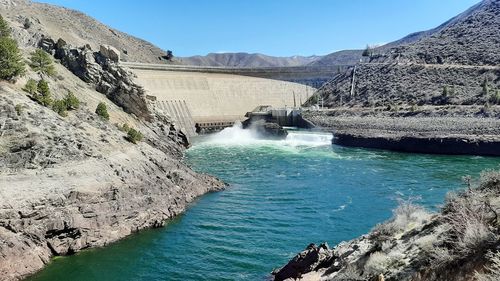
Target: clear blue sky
{"points": [[273, 27]]}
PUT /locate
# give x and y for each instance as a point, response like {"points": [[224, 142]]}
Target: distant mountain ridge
{"points": [[247, 60]]}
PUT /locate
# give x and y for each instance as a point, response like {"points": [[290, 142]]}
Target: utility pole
{"points": [[294, 102]]}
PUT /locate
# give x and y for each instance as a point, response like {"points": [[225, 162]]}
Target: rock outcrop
{"points": [[103, 71], [312, 258], [110, 53]]}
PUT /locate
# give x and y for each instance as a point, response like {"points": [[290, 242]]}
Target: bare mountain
{"points": [[346, 57], [75, 27], [247, 60], [471, 38], [455, 63], [351, 57]]}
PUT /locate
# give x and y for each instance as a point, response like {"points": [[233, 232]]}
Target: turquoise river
{"points": [[282, 195]]}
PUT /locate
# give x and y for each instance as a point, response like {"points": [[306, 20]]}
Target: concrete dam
{"points": [[214, 97]]}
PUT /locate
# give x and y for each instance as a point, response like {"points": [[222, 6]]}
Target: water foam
{"points": [[237, 136]]}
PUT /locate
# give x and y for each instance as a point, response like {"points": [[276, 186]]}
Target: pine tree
{"points": [[11, 60], [42, 62], [44, 96]]}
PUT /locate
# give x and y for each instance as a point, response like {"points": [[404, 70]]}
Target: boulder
{"points": [[311, 259], [110, 52]]}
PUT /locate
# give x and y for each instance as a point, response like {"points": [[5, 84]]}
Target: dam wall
{"points": [[207, 97], [314, 76]]}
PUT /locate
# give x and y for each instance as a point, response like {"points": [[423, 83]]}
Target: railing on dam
{"points": [[236, 70]]}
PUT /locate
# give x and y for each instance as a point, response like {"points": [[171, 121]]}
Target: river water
{"points": [[283, 195]]}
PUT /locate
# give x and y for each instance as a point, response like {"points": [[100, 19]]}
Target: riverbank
{"points": [[265, 216], [458, 243], [441, 134]]}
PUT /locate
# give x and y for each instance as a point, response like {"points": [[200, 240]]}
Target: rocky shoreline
{"points": [[462, 135]]}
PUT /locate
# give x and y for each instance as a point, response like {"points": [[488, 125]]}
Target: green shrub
{"points": [[4, 28], [134, 136], [30, 87], [486, 88], [495, 98], [59, 106], [446, 92], [71, 101], [368, 51], [42, 62], [11, 60], [43, 96], [313, 99], [125, 128], [102, 111], [19, 109]]}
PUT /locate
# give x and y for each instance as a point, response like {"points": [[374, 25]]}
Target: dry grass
{"points": [[350, 273], [492, 272], [406, 216], [470, 221], [490, 181]]}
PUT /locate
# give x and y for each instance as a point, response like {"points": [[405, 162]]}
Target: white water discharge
{"points": [[237, 136]]}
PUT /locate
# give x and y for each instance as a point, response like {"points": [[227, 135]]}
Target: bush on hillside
{"points": [[134, 136], [30, 87], [485, 87], [71, 101], [4, 28], [368, 51], [43, 96], [41, 62], [102, 111], [19, 109], [495, 97], [59, 106]]}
